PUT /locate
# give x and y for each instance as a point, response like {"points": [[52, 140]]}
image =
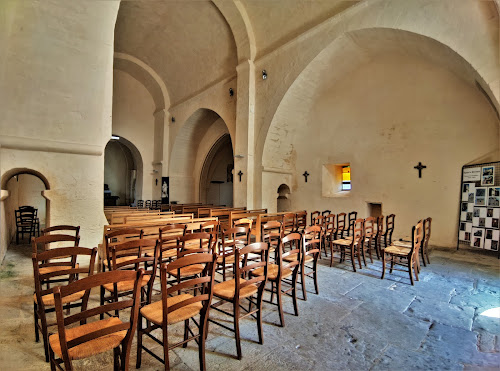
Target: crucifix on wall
{"points": [[306, 174], [420, 167]]}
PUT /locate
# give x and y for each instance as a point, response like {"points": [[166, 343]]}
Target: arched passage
{"points": [[216, 180], [22, 187], [191, 146], [283, 201], [392, 100], [123, 172]]}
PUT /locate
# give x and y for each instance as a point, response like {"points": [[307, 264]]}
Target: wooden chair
{"points": [[301, 221], [245, 222], [425, 242], [95, 337], [271, 233], [341, 226], [351, 219], [48, 242], [407, 257], [116, 237], [168, 237], [25, 223], [379, 235], [312, 238], [147, 204], [140, 204], [314, 214], [133, 255], [231, 240], [46, 272], [36, 219], [284, 270], [326, 212], [329, 232], [289, 223], [389, 229], [178, 308], [57, 229], [353, 245], [238, 288], [369, 234]]}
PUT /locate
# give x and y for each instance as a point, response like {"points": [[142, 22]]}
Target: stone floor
{"points": [[357, 322]]}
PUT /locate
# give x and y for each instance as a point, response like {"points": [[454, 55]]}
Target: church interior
{"points": [[214, 110]]}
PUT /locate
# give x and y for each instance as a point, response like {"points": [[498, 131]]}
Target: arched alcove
{"points": [[123, 171], [283, 201], [22, 187], [216, 180]]}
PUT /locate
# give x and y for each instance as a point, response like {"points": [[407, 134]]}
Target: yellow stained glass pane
{"points": [[346, 174]]}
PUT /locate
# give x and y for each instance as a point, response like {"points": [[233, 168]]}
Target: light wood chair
{"points": [[427, 236], [116, 237], [168, 237], [404, 256], [45, 272], [301, 221], [314, 214], [183, 307], [240, 287], [369, 234], [289, 223], [341, 226], [231, 240], [353, 245], [95, 337]]}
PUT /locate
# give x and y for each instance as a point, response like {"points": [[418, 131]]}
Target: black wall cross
{"points": [[240, 173], [306, 174], [419, 167]]}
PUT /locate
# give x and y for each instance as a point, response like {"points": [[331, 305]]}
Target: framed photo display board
{"points": [[479, 216]]}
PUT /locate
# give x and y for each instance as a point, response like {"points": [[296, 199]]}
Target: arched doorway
{"points": [[22, 187], [284, 202], [216, 181], [122, 173]]}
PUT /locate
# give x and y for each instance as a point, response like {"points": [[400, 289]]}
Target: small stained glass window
{"points": [[346, 178]]}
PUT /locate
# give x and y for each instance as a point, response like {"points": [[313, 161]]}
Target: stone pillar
{"points": [[158, 152], [244, 146]]}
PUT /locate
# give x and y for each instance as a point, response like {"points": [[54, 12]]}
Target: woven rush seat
{"points": [[154, 312], [45, 270], [165, 254], [48, 300], [406, 244], [293, 257], [226, 289], [397, 250], [126, 285], [272, 272], [92, 347], [191, 270], [343, 242], [120, 260], [229, 259], [192, 245]]}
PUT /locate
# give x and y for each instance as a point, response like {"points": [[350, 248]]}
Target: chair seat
{"points": [[92, 347], [154, 312], [343, 242], [293, 257], [120, 260], [49, 301], [397, 250], [45, 270], [125, 285], [229, 259], [402, 244], [272, 272], [190, 270], [226, 289]]}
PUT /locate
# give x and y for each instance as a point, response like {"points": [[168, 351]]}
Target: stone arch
{"points": [[283, 200], [146, 75], [18, 171], [189, 149]]}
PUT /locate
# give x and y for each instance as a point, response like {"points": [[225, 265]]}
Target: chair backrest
{"points": [[248, 265], [203, 282], [329, 225], [417, 237], [380, 229], [311, 241], [358, 231], [140, 204], [326, 212], [168, 236], [427, 231], [147, 204], [49, 241], [289, 245], [341, 223], [389, 228], [243, 222], [329, 218], [114, 326], [49, 268], [351, 218], [289, 221], [314, 214], [212, 227], [67, 229], [118, 236], [301, 220], [271, 232], [25, 217], [203, 243], [370, 225], [319, 220]]}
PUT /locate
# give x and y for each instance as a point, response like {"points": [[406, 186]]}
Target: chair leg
{"points": [[352, 260], [316, 287], [139, 342], [294, 295], [52, 360], [416, 273], [201, 344], [331, 255], [166, 361], [363, 254], [272, 291], [45, 336], [101, 316], [259, 317], [280, 303], [236, 312], [383, 265], [392, 264], [359, 256], [410, 271], [303, 280], [116, 359], [186, 332], [35, 315]]}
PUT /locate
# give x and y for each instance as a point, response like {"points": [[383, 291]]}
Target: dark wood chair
{"points": [[133, 255], [312, 238], [329, 232], [46, 272], [271, 233], [369, 238], [36, 219], [314, 214], [25, 223], [239, 288], [379, 235], [147, 204], [425, 242], [341, 226], [172, 308], [90, 338], [289, 223], [62, 229], [284, 271], [389, 229], [351, 219], [353, 245], [326, 212], [301, 221], [231, 240], [140, 204], [52, 241], [404, 256], [117, 237], [168, 237]]}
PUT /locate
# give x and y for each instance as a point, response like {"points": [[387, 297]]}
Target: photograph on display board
{"points": [[491, 239], [465, 206], [468, 217], [488, 176], [471, 197], [494, 196], [477, 238], [480, 197]]}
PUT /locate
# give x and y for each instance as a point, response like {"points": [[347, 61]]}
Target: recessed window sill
{"points": [[338, 194]]}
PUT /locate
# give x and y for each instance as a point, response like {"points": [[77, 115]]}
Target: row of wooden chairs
{"points": [[149, 204], [27, 222]]}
